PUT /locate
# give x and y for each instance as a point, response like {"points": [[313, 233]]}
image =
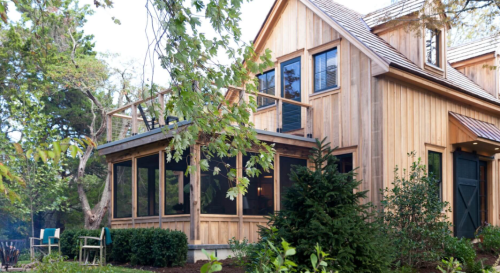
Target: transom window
{"points": [[325, 70], [435, 165], [432, 46], [266, 85]]}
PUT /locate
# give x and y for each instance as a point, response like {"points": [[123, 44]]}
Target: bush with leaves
{"points": [[324, 206], [490, 239], [141, 246], [461, 249], [240, 250], [414, 216]]}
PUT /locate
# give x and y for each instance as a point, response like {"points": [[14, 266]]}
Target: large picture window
{"points": [[148, 185], [214, 187], [287, 164], [325, 70], [432, 46], [435, 167], [122, 189], [291, 89], [266, 85], [259, 200], [177, 189]]}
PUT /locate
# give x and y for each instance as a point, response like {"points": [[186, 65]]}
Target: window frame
{"points": [[260, 91], [429, 152], [438, 47], [314, 91], [319, 49], [135, 185], [113, 190]]}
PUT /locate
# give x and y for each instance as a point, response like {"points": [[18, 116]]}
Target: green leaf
{"points": [[314, 260], [43, 155], [74, 150]]}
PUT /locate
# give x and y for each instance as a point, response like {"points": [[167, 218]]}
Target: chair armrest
{"points": [[35, 238], [88, 237]]}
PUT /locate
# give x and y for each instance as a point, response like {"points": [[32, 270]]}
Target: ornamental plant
{"points": [[414, 216], [324, 207]]}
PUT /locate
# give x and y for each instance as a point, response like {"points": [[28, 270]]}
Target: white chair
{"points": [[85, 249], [42, 245]]}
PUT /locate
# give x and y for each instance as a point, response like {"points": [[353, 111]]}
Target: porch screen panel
{"points": [[287, 165], [215, 186], [122, 189], [177, 197], [148, 185], [259, 200]]}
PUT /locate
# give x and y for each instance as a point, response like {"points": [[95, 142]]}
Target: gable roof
{"points": [[480, 128], [353, 23], [473, 49], [396, 10]]}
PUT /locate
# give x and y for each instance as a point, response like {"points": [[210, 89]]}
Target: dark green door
{"points": [[290, 89], [466, 194]]}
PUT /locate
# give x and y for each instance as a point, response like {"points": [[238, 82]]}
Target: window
{"points": [[344, 165], [325, 70], [435, 167], [148, 185], [259, 200], [122, 189], [177, 189], [215, 186], [287, 164], [266, 85], [432, 46], [290, 89]]}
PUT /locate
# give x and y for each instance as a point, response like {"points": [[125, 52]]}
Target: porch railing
{"points": [[281, 115]]}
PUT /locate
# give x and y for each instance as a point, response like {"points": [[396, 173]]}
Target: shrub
{"points": [[491, 239], [150, 246], [414, 218], [240, 250], [461, 249], [323, 206]]}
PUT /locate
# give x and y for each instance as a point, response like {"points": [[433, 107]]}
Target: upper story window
{"points": [[432, 46], [325, 70], [266, 85]]}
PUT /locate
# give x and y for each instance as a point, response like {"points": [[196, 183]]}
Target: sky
{"points": [[128, 40]]}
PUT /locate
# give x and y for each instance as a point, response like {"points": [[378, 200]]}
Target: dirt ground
{"points": [[227, 266]]}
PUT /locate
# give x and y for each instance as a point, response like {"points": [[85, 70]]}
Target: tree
{"points": [[469, 19], [325, 207], [197, 78]]}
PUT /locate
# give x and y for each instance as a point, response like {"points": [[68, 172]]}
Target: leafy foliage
{"points": [[324, 206], [415, 217], [491, 239], [241, 250], [450, 266], [191, 57], [461, 249]]}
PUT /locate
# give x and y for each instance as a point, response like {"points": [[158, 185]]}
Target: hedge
{"points": [[141, 246]]}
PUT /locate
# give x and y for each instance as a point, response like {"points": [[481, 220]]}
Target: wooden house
{"points": [[375, 89]]}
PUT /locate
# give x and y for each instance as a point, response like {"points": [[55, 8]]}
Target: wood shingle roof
{"points": [[355, 24], [473, 49]]}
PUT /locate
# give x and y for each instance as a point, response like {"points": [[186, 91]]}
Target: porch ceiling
{"points": [[473, 134]]}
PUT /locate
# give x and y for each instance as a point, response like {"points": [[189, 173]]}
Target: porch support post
{"points": [[134, 191], [161, 101], [239, 200], [161, 187], [109, 127], [134, 119], [194, 236], [309, 122]]}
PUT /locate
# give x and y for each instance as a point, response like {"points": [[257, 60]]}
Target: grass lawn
{"points": [[116, 269]]}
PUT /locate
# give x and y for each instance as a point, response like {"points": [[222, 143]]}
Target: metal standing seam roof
{"points": [[473, 49], [396, 10], [482, 129], [352, 22]]}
